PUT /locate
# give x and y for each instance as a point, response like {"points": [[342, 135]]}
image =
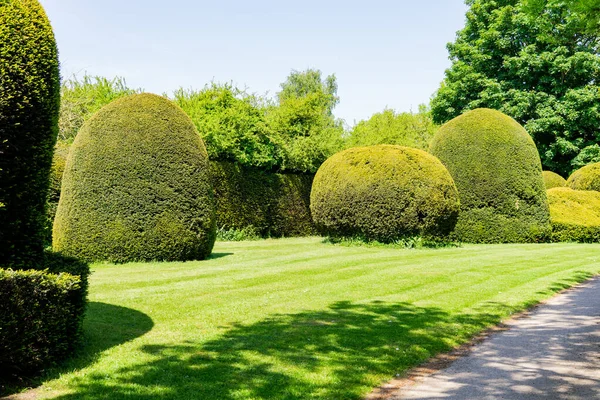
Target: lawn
{"points": [[298, 318]]}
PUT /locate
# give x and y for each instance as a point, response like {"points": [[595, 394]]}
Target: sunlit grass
{"points": [[298, 318]]}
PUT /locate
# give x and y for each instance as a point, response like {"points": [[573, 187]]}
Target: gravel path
{"points": [[552, 354]]}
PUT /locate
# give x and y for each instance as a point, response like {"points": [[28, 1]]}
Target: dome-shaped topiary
{"points": [[136, 186], [585, 178], [498, 173], [552, 180], [575, 215], [384, 193], [29, 105]]}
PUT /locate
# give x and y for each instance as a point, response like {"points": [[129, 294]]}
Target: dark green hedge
{"points": [[575, 215], [136, 186], [29, 105], [273, 204], [42, 314], [585, 178], [498, 173], [384, 193], [552, 180]]}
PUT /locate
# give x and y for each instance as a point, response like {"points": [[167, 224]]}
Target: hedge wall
{"points": [[273, 204], [136, 186], [29, 105], [585, 178], [575, 215], [42, 314], [497, 170], [384, 193]]}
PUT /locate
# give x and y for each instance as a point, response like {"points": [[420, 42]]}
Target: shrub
{"points": [[552, 180], [586, 178], [384, 193], [136, 186], [498, 173], [80, 98], [29, 105], [42, 314], [266, 203], [575, 215]]}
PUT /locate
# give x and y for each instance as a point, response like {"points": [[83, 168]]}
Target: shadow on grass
{"points": [[339, 353], [578, 277], [104, 326], [214, 256]]}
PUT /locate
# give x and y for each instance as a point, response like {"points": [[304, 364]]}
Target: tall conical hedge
{"points": [[29, 105], [136, 186], [384, 193], [497, 170]]}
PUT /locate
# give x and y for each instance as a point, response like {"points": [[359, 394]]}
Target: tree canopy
{"points": [[542, 69]]}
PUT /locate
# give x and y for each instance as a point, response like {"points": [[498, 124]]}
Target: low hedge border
{"points": [[41, 316]]}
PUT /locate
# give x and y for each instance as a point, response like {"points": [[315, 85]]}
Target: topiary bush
{"points": [[42, 314], [498, 173], [552, 180], [575, 215], [263, 202], [136, 186], [586, 178], [384, 193], [29, 105]]}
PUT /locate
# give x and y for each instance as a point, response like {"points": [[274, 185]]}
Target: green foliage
{"points": [[42, 314], [82, 98], [411, 242], [237, 235], [543, 70], [497, 170], [588, 11], [575, 215], [231, 123], [384, 193], [586, 178], [267, 203], [303, 127], [552, 180], [29, 106], [389, 127], [136, 186]]}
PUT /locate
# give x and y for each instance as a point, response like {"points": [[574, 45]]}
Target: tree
{"points": [[389, 127], [303, 127], [543, 70], [231, 122]]}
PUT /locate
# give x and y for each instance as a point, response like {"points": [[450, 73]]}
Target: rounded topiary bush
{"points": [[136, 186], [552, 180], [575, 215], [585, 178], [29, 105], [384, 193], [498, 173]]}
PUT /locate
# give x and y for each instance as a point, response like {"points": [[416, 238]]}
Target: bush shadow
{"points": [[339, 353], [105, 326]]}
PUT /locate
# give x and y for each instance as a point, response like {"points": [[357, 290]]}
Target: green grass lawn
{"points": [[298, 318]]}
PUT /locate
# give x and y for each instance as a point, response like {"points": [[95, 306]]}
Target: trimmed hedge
{"points": [[498, 173], [552, 180], [42, 315], [575, 215], [29, 106], [272, 204], [384, 193], [136, 186], [586, 178]]}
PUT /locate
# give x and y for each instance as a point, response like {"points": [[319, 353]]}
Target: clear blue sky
{"points": [[384, 53]]}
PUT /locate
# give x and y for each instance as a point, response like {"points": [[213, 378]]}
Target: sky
{"points": [[384, 53]]}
